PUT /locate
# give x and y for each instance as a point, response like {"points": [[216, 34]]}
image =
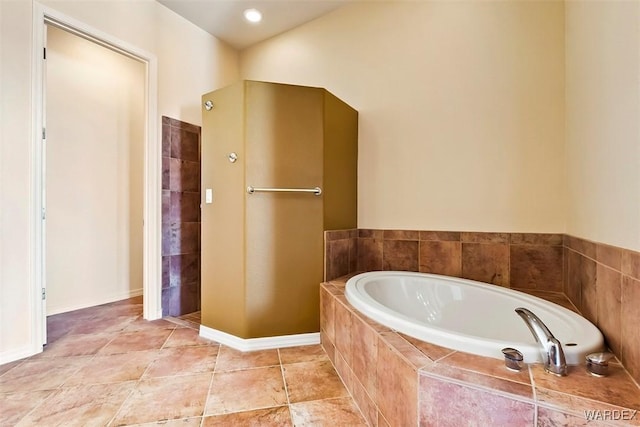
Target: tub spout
{"points": [[550, 347]]}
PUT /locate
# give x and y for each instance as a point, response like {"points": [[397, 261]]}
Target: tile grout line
{"points": [[286, 389], [89, 360], [49, 397], [117, 412], [120, 411], [213, 374], [133, 389], [482, 388], [140, 379], [534, 394], [162, 347], [351, 394], [251, 368], [60, 387]]}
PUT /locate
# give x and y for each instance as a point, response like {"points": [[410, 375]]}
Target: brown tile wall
{"points": [[180, 217], [602, 281], [515, 260], [397, 380], [341, 253]]}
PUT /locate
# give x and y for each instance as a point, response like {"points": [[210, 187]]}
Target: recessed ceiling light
{"points": [[253, 15]]}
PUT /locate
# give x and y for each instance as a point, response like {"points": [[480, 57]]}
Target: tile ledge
{"points": [[476, 386]]}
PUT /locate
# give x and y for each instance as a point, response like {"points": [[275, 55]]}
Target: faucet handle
{"points": [[598, 363], [556, 363], [512, 359]]}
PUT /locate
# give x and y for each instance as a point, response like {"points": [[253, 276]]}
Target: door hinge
{"points": [[44, 133], [44, 294], [44, 55], [44, 214]]}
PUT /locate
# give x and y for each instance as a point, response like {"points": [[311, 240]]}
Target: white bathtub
{"points": [[466, 315]]}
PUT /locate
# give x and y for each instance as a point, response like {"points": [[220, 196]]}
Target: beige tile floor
{"points": [[106, 366]]}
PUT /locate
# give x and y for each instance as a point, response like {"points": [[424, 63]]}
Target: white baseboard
{"points": [[266, 343], [93, 302], [19, 353]]}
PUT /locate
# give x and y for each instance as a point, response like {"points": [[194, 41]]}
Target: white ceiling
{"points": [[224, 18]]}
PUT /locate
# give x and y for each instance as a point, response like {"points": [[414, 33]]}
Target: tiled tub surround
{"points": [[398, 381], [180, 217], [602, 281], [515, 260]]}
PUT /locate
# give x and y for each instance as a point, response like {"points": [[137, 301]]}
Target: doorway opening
{"points": [[94, 173], [96, 170]]}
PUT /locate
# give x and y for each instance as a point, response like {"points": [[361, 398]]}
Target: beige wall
{"points": [[461, 108], [94, 181], [603, 121], [15, 241], [190, 62]]}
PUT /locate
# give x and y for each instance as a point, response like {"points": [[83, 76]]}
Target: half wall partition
{"points": [[262, 250]]}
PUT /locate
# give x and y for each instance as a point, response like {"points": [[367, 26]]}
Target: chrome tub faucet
{"points": [[550, 348]]}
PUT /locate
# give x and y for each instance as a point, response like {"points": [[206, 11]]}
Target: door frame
{"points": [[152, 231]]}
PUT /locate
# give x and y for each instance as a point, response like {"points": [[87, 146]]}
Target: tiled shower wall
{"points": [[180, 217], [602, 281]]}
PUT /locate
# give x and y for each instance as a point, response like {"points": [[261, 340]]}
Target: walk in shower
{"points": [[279, 167]]}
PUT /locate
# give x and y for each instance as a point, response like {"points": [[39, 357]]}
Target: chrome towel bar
{"points": [[316, 191]]}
